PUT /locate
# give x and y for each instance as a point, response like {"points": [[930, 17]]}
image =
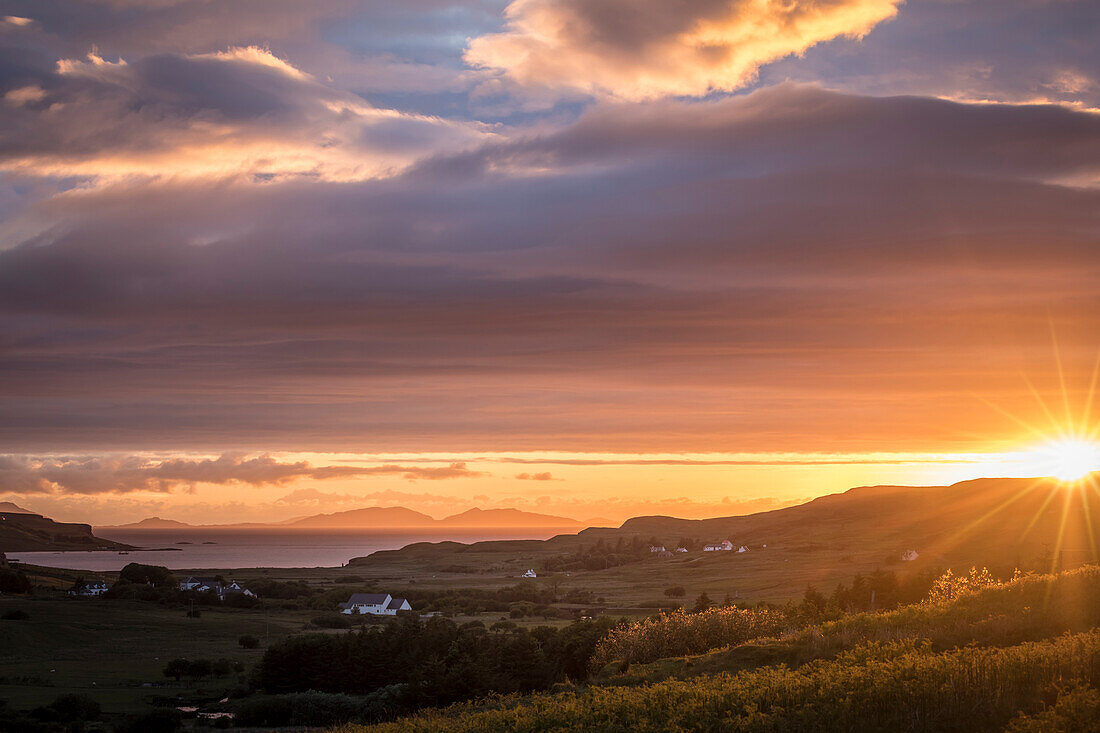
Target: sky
{"points": [[594, 258]]}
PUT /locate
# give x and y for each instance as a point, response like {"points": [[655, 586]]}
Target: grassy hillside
{"points": [[1024, 654], [1033, 524]]}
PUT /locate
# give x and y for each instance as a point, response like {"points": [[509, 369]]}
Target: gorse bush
{"points": [[900, 686], [949, 586], [679, 633], [1077, 710], [1027, 608]]}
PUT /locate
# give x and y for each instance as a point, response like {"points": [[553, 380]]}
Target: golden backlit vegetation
{"points": [[982, 656]]}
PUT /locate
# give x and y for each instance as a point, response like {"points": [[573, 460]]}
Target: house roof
{"points": [[368, 599], [396, 603], [208, 580]]}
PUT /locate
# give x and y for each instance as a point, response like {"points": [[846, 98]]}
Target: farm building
{"points": [[376, 604]]}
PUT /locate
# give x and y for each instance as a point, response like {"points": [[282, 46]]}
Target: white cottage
{"points": [[376, 604], [723, 546], [530, 574], [213, 585], [90, 588]]}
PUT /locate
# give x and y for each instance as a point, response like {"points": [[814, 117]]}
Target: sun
{"points": [[1068, 459]]}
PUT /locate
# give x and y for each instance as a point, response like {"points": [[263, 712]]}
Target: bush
{"points": [[155, 575], [675, 591], [318, 708], [15, 615], [248, 642], [332, 621], [900, 686], [1077, 710], [14, 581], [75, 707], [678, 633], [163, 720]]}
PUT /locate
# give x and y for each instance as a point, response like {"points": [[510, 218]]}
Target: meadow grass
{"points": [[1026, 609], [898, 686], [108, 647], [989, 658]]}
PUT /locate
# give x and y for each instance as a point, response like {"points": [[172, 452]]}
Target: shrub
{"points": [[162, 720], [248, 642], [147, 575], [1077, 710], [949, 586], [318, 708], [679, 633], [675, 591], [332, 621], [75, 707], [900, 686], [14, 581]]}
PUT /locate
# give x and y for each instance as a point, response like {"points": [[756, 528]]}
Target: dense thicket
{"points": [[435, 660], [899, 686]]}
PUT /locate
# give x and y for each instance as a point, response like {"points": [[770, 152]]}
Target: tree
{"points": [[675, 591], [199, 668], [177, 668], [146, 574], [75, 707], [702, 603], [14, 581]]}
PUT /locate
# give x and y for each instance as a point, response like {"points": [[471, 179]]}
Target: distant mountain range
{"points": [[389, 517], [6, 507]]}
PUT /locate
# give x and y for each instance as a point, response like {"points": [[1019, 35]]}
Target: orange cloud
{"points": [[639, 49], [241, 112], [122, 474]]}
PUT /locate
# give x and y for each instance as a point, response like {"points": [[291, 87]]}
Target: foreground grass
{"points": [[898, 686], [995, 658], [1027, 609], [109, 648]]}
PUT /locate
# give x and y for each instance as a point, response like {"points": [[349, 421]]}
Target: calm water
{"points": [[256, 548]]}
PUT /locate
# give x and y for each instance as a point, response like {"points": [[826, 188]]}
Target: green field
{"points": [[111, 648]]}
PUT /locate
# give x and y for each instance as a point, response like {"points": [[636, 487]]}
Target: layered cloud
{"points": [[242, 111], [747, 273], [648, 48], [113, 474]]}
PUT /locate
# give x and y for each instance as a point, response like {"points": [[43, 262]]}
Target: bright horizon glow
{"points": [[1067, 459]]}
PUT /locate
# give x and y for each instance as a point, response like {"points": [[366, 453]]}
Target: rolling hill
{"points": [[1000, 523]]}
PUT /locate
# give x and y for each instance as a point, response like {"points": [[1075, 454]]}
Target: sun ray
{"points": [[1086, 416], [1062, 379]]}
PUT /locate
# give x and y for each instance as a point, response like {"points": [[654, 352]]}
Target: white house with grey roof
{"points": [[377, 604], [213, 585]]}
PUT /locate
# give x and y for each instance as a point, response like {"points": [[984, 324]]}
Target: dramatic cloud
{"points": [[121, 474], [241, 111], [650, 48], [741, 274], [1018, 51]]}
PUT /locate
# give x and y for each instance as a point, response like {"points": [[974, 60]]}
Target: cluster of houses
{"points": [[376, 604], [723, 546], [213, 585], [222, 589], [89, 588]]}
